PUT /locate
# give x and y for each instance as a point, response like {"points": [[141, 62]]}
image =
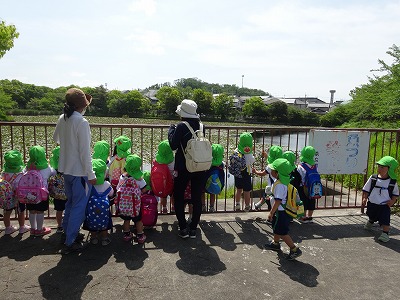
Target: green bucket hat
{"points": [[13, 162], [291, 157], [123, 144], [37, 158], [390, 162], [307, 155], [217, 154], [245, 143], [284, 168], [274, 153], [146, 177], [164, 154], [101, 150], [99, 168], [55, 156], [132, 166]]}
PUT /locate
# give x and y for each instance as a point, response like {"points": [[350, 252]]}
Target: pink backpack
{"points": [[31, 188], [128, 198], [149, 209]]}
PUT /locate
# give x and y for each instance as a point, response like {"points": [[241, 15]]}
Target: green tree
{"points": [[255, 108], [8, 33], [168, 99], [6, 103], [203, 100], [278, 112], [223, 107]]}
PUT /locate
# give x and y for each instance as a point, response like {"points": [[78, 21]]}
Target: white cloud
{"points": [[146, 41], [146, 6]]}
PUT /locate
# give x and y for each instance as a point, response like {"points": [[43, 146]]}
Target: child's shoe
{"points": [[192, 233], [127, 236], [23, 229], [183, 233], [94, 240], [260, 203], [105, 241], [294, 253], [368, 225], [141, 238], [211, 209], [271, 245], [384, 237], [43, 231], [237, 207], [203, 208], [306, 220], [164, 210], [247, 208], [60, 230], [10, 230]]}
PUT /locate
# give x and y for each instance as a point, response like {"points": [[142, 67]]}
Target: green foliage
{"points": [[203, 100], [168, 99], [223, 107], [131, 103], [278, 112], [255, 108], [8, 33]]}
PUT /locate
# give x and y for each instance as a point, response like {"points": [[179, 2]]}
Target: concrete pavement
{"points": [[226, 261]]}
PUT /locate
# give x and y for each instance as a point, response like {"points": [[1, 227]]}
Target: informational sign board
{"points": [[340, 152]]}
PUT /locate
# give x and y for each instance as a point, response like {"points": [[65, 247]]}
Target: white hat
{"points": [[187, 109]]}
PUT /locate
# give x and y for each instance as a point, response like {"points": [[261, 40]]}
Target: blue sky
{"points": [[286, 48]]}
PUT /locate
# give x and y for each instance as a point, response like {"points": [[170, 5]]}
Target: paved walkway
{"points": [[227, 261]]}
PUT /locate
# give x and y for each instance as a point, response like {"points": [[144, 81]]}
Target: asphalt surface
{"points": [[340, 260]]}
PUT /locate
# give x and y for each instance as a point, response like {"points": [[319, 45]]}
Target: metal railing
{"points": [[340, 191]]}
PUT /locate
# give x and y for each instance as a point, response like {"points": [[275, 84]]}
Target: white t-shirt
{"points": [[101, 188], [380, 193], [280, 192]]}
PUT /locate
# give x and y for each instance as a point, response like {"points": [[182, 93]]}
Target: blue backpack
{"points": [[98, 215], [215, 180], [313, 185]]}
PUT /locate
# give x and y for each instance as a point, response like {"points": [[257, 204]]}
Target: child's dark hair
{"points": [[68, 110], [115, 150]]}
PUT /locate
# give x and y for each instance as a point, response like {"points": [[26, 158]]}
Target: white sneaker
{"points": [[384, 237], [237, 207], [24, 229], [10, 230]]}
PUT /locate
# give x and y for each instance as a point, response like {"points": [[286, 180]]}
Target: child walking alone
{"points": [[380, 192], [281, 169]]}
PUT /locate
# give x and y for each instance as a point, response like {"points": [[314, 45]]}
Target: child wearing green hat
{"points": [[37, 161], [274, 153], [163, 175], [307, 163], [98, 215], [243, 181], [131, 185], [56, 189], [281, 169], [13, 167], [381, 191], [116, 165], [216, 175]]}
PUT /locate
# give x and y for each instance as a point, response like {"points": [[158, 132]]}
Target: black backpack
{"points": [[392, 183]]}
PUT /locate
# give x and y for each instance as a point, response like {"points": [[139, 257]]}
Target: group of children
{"points": [[120, 181]]}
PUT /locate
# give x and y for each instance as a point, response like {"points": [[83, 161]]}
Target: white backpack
{"points": [[198, 152]]}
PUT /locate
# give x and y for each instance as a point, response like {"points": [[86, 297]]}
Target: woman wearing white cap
{"points": [[178, 136]]}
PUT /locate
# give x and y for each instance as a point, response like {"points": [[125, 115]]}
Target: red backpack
{"points": [[162, 182]]}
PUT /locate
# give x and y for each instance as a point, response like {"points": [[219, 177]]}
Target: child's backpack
{"points": [[293, 206], [98, 214], [56, 187], [313, 185], [198, 151], [128, 198], [149, 209], [7, 199], [237, 163], [162, 182], [31, 188], [392, 183], [115, 170], [215, 182]]}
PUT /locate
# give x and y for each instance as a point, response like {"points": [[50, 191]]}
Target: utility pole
{"points": [[242, 80]]}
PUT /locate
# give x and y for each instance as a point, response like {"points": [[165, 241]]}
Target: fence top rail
{"points": [[242, 126]]}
